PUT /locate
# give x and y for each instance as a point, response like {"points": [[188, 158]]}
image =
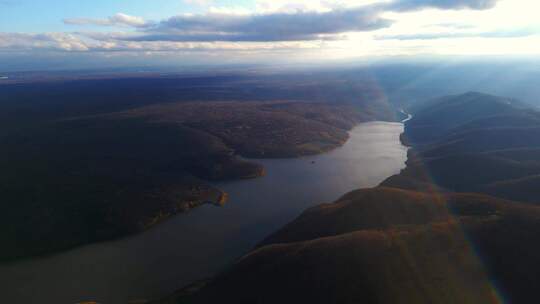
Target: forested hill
{"points": [[423, 236]]}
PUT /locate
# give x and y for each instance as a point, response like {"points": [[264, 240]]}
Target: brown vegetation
{"points": [[261, 129], [423, 243], [387, 245], [87, 178]]}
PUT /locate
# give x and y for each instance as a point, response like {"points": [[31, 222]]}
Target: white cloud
{"points": [[317, 26], [298, 20], [199, 2], [109, 42], [272, 6], [50, 41], [119, 19]]}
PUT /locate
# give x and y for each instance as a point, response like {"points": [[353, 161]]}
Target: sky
{"points": [[57, 33]]}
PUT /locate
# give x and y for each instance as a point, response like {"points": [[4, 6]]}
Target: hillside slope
{"points": [[91, 160], [387, 245], [421, 237], [478, 143], [435, 118]]}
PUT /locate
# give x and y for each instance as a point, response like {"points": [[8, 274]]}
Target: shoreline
{"points": [[194, 286], [178, 208], [200, 243], [182, 207]]}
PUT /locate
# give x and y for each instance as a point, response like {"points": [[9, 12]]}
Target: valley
{"points": [[459, 217], [109, 158], [89, 172], [201, 243], [269, 152]]}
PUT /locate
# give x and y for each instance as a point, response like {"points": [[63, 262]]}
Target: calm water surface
{"points": [[196, 245]]}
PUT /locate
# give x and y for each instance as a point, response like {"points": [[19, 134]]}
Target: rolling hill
{"points": [[387, 245], [490, 142], [91, 160], [459, 225]]}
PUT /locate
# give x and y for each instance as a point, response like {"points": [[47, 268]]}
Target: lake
{"points": [[198, 244]]}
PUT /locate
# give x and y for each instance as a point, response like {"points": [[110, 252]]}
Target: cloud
{"points": [[226, 37], [111, 43], [387, 5], [220, 29], [199, 2], [119, 19], [451, 25], [487, 34], [50, 41], [411, 5], [299, 24]]}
